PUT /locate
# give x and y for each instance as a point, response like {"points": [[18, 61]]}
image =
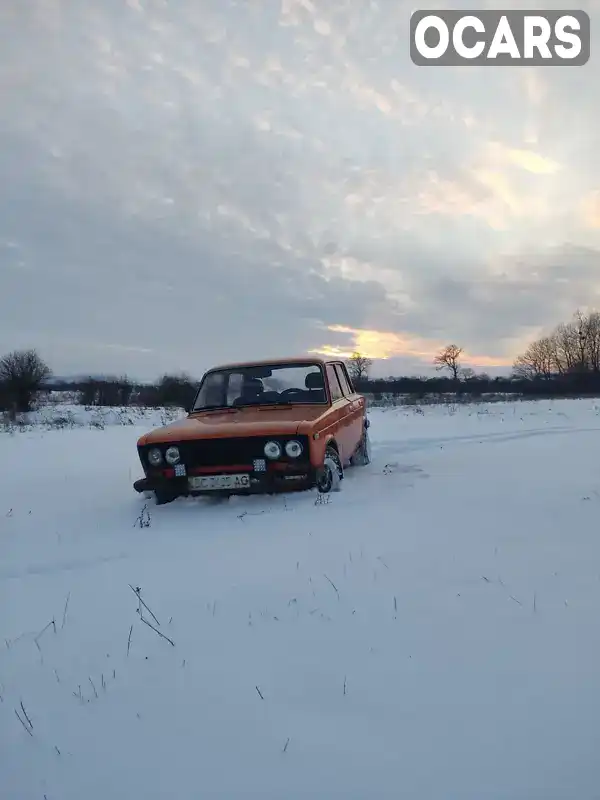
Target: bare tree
{"points": [[449, 358], [22, 374], [567, 348], [359, 366], [581, 329], [571, 348], [538, 361], [593, 341]]}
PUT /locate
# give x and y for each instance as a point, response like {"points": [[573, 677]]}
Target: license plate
{"points": [[208, 483]]}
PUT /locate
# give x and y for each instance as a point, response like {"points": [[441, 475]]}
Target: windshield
{"points": [[277, 384]]}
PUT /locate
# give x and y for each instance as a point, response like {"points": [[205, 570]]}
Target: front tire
{"points": [[331, 473]]}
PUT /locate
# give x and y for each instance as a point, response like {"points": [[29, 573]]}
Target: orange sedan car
{"points": [[260, 427]]}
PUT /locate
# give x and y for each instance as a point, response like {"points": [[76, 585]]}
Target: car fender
{"points": [[318, 444]]}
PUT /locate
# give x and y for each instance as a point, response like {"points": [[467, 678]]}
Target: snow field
{"points": [[430, 632]]}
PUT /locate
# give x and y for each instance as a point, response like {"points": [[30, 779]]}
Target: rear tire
{"points": [[331, 473], [362, 456]]}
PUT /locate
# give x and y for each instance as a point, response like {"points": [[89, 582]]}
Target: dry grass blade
{"points": [[516, 601], [22, 723], [37, 644], [137, 593], [45, 628], [26, 716], [65, 611], [333, 585], [170, 641]]}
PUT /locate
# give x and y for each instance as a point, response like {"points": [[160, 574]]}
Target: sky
{"points": [[190, 182]]}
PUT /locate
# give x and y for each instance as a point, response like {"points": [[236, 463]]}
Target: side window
{"points": [[344, 383], [334, 384], [349, 379]]}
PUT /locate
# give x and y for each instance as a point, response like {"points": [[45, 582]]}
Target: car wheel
{"points": [[362, 456], [331, 473]]}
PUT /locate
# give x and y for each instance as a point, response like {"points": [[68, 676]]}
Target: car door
{"points": [[355, 409], [339, 413]]}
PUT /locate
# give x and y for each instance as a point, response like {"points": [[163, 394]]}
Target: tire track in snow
{"points": [[61, 566], [410, 445]]}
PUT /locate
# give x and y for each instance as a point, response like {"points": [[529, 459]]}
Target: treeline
{"points": [[169, 390], [565, 363], [24, 374], [478, 385], [570, 353], [180, 391]]}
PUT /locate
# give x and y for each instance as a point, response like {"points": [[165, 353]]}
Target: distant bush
{"points": [[106, 392], [22, 375], [170, 390]]}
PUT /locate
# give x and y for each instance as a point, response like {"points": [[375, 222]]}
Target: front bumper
{"points": [[260, 483]]}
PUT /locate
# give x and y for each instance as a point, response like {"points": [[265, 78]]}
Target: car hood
{"points": [[239, 422]]}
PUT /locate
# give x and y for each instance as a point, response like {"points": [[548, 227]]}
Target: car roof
{"points": [[276, 361]]}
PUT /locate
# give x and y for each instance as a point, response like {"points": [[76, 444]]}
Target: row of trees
{"points": [[23, 374], [571, 349], [565, 362]]}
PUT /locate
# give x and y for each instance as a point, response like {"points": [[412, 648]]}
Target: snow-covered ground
{"points": [[431, 633], [54, 416]]}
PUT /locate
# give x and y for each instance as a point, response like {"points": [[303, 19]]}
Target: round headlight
{"points": [[155, 456], [272, 450], [293, 449], [172, 455]]}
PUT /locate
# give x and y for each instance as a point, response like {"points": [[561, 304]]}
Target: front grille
{"points": [[222, 452], [230, 451]]}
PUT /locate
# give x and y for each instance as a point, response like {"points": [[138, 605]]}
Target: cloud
{"points": [[183, 184], [532, 162], [590, 209]]}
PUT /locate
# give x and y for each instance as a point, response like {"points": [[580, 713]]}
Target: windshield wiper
{"points": [[281, 404], [214, 408]]}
